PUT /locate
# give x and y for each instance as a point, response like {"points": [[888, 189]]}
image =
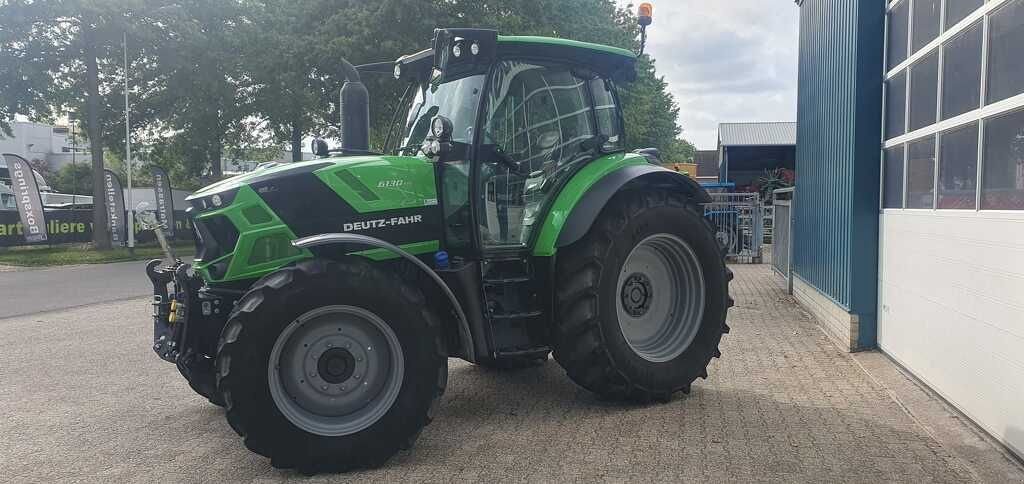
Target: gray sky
{"points": [[726, 61]]}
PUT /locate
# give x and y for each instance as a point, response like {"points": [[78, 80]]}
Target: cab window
{"points": [[538, 115]]}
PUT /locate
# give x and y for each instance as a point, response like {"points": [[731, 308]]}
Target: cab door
{"points": [[537, 116]]}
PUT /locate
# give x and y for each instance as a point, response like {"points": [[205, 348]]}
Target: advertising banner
{"points": [[164, 200], [75, 226], [26, 196], [114, 196]]}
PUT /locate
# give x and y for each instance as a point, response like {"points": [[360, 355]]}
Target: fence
{"points": [[739, 225], [782, 234]]}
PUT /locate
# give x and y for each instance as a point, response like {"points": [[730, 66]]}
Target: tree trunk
{"points": [[100, 231], [216, 167], [296, 141]]}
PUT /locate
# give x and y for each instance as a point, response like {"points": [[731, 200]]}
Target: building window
{"points": [[898, 30], [957, 10], [896, 105], [961, 73], [1003, 185], [1006, 38], [892, 191], [926, 22], [921, 173], [924, 80], [958, 167]]}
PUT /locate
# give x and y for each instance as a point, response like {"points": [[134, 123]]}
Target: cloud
{"points": [[726, 61]]}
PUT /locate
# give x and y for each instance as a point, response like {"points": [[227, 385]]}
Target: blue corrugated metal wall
{"points": [[838, 142]]}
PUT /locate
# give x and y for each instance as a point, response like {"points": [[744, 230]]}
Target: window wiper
{"points": [[354, 152], [416, 148], [507, 160]]}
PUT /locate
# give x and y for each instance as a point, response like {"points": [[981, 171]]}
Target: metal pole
{"points": [[74, 168], [128, 150]]}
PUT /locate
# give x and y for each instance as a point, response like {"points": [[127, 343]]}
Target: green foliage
{"points": [[75, 179], [238, 79]]}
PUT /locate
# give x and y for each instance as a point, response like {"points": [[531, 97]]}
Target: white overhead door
{"points": [[951, 274]]}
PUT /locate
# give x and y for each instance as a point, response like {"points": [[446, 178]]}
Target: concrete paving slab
{"points": [[85, 399]]}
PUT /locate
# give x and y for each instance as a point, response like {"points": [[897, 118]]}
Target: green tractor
{"points": [[504, 222]]}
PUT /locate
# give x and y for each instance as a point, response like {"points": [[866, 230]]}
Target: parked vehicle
{"points": [[504, 223]]}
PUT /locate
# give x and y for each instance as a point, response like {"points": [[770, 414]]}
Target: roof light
{"points": [[645, 14]]}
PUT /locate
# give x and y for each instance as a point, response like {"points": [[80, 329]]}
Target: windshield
{"points": [[456, 100]]}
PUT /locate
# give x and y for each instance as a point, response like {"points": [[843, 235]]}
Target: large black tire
{"points": [[264, 313], [588, 340], [200, 374]]}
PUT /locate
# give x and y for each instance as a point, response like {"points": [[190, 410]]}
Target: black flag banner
{"points": [[164, 200], [114, 196], [26, 194]]}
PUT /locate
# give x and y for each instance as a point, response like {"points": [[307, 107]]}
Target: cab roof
{"points": [[611, 62], [608, 60]]}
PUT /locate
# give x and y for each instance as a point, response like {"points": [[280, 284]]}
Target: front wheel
{"points": [[331, 366], [642, 298]]}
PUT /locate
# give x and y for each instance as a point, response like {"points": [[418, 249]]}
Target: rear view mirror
{"points": [[320, 147]]}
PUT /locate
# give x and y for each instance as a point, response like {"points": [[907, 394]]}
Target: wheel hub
{"points": [[637, 294], [661, 299], [335, 370], [336, 365]]}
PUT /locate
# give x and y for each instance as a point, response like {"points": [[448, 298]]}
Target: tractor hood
{"points": [[366, 183]]}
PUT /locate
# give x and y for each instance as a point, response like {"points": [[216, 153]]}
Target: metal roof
{"points": [[757, 134]]}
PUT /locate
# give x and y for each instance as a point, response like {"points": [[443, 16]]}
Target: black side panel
{"points": [[310, 207], [587, 210]]}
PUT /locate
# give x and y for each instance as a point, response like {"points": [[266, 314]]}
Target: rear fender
{"points": [[571, 225]]}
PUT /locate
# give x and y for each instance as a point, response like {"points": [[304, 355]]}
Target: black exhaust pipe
{"points": [[354, 106]]}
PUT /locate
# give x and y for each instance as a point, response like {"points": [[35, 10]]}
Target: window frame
{"points": [[979, 115]]}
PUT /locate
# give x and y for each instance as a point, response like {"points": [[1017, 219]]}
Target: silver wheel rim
{"points": [[335, 370], [660, 297]]}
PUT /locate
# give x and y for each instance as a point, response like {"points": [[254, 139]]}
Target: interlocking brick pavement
{"points": [[84, 399]]}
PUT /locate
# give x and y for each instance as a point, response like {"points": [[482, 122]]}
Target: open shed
{"points": [[746, 150]]}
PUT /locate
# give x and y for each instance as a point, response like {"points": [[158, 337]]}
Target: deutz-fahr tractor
{"points": [[502, 222]]}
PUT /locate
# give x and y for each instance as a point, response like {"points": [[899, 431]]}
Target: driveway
{"points": [[31, 290], [85, 399]]}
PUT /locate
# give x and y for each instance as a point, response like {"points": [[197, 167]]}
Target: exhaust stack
{"points": [[354, 106]]}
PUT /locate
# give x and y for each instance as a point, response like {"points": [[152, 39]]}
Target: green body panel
{"points": [[367, 183], [264, 241], [415, 248], [530, 39], [375, 183], [573, 192]]}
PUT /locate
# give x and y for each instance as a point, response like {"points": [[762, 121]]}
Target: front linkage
{"points": [[187, 320], [187, 317]]}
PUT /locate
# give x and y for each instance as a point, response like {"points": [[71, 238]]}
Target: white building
{"points": [[52, 144]]}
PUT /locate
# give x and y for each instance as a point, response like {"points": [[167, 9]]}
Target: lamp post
{"points": [[128, 151]]}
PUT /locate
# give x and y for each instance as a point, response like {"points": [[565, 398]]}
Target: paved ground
{"points": [[31, 290], [84, 399]]}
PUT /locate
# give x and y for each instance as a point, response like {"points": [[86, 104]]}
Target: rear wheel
{"points": [[642, 298], [331, 366]]}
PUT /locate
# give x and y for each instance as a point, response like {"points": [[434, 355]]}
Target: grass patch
{"points": [[70, 254]]}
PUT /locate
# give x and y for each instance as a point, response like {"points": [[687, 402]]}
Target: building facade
{"points": [[909, 213], [54, 145]]}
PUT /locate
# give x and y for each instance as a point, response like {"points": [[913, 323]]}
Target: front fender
{"points": [[465, 337], [581, 201]]}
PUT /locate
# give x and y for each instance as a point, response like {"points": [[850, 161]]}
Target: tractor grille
{"points": [[215, 236]]}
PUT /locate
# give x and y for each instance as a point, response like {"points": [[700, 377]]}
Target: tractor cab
{"points": [[507, 120]]}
